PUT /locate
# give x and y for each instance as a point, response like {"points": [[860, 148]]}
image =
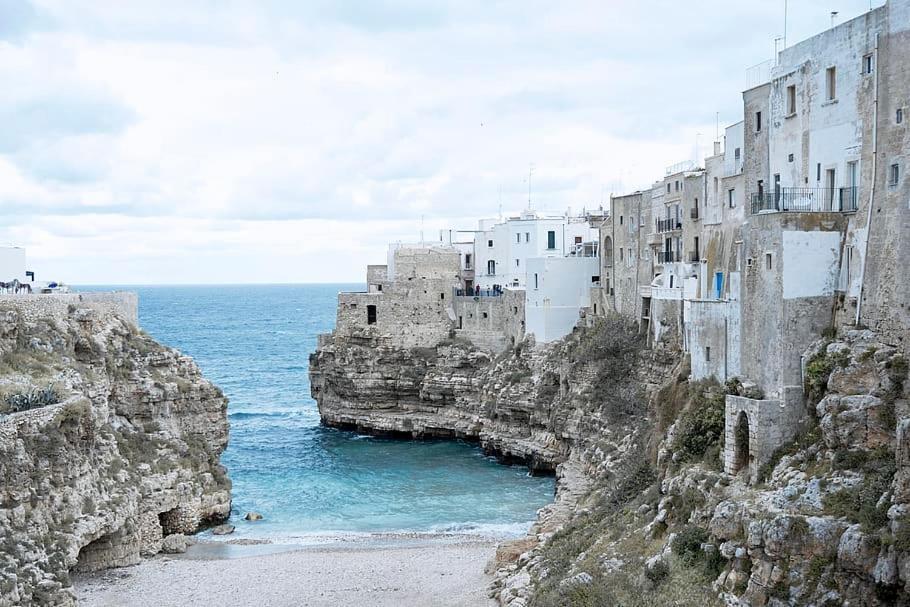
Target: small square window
{"points": [[790, 158], [894, 174], [485, 315], [490, 243], [867, 64]]}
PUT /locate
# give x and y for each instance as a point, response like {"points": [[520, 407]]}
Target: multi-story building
{"points": [[503, 247]]}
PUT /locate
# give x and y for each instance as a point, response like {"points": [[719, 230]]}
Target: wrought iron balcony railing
{"points": [[667, 256], [807, 200], [668, 225]]}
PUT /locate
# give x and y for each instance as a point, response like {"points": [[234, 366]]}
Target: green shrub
{"points": [[657, 573], [859, 503], [687, 544], [32, 399], [701, 425]]}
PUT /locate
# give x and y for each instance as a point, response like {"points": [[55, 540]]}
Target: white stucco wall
{"points": [[810, 263], [12, 264], [562, 288]]}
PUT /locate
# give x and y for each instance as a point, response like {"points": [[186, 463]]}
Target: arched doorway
{"points": [[607, 252], [741, 455]]}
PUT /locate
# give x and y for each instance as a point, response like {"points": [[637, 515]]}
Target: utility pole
{"points": [[785, 29]]}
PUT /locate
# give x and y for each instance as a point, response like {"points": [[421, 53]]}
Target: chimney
{"points": [[716, 148]]}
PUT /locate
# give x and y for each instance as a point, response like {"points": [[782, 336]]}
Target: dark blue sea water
{"points": [[254, 342]]}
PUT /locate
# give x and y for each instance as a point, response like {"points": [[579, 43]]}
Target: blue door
{"points": [[718, 283]]}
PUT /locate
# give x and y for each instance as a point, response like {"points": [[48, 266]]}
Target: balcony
{"points": [[668, 225], [667, 257], [693, 214], [694, 257], [807, 200]]}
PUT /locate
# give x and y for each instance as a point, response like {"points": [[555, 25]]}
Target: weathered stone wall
{"points": [[771, 424], [122, 304], [491, 323]]}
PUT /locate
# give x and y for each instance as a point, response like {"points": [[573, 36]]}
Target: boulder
{"points": [[252, 516], [225, 529], [174, 544]]}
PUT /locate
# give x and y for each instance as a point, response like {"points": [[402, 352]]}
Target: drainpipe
{"points": [[862, 272]]}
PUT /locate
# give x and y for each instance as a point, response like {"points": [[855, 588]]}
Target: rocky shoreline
{"points": [[644, 513]]}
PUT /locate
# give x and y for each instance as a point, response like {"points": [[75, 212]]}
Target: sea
{"points": [[311, 482]]}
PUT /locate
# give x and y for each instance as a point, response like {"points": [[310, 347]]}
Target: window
{"points": [[818, 172], [867, 64], [737, 154], [527, 237], [899, 115], [677, 186], [731, 198], [708, 354], [621, 254], [831, 83], [791, 99], [490, 243], [668, 188], [371, 315], [758, 122], [467, 261], [379, 287], [790, 158], [768, 261], [442, 296], [578, 240], [485, 315], [491, 267], [517, 263], [536, 282], [551, 239], [518, 238], [620, 220], [894, 174]]}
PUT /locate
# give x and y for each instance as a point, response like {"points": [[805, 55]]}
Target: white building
{"points": [[502, 248], [558, 288], [12, 264]]}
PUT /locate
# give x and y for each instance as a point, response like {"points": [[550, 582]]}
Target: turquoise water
{"points": [[306, 480]]}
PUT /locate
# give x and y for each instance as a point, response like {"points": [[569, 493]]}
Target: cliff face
{"points": [[109, 443], [644, 513]]}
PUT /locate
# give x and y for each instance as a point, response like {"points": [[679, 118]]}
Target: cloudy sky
{"points": [[183, 141]]}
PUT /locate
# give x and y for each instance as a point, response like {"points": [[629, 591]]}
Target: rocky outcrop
{"points": [[644, 513], [119, 460]]}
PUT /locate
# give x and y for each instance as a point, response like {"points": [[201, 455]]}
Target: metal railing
{"points": [[478, 292], [668, 225], [667, 256], [807, 200]]}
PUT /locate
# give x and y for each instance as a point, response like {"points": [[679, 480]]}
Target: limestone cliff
{"points": [[109, 442], [644, 513]]}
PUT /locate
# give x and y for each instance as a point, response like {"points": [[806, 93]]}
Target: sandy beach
{"points": [[378, 571]]}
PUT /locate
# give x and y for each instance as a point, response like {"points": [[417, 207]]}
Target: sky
{"points": [[203, 141]]}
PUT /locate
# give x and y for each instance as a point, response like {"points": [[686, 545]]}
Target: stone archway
{"points": [[741, 454]]}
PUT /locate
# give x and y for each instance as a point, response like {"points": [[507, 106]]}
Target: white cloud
{"points": [[256, 141]]}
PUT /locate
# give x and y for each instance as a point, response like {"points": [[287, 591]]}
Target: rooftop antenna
{"points": [[833, 17], [776, 53], [530, 172], [716, 126]]}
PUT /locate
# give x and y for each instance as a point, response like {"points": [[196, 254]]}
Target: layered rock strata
{"points": [[121, 451]]}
